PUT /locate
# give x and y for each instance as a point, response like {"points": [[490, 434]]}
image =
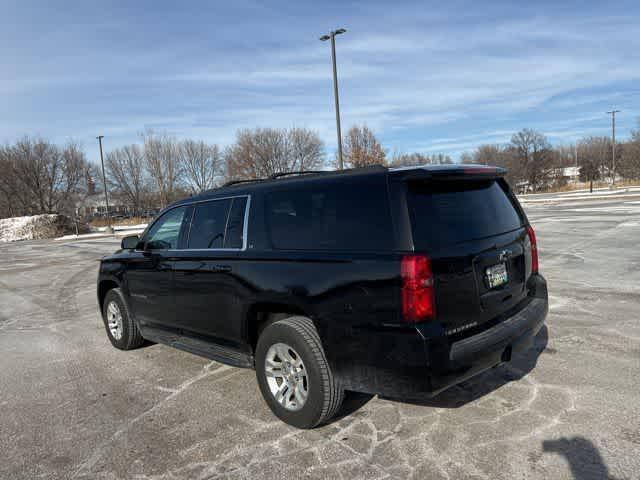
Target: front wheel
{"points": [[293, 373], [121, 327]]}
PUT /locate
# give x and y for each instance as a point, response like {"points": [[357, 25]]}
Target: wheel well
{"points": [[260, 316], [103, 288]]}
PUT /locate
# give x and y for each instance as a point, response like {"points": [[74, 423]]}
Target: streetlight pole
{"points": [[613, 143], [104, 180], [332, 36]]}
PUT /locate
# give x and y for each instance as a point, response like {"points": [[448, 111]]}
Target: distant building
{"points": [[523, 187], [94, 205], [571, 174]]}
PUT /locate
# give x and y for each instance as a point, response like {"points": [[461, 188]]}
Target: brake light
{"points": [[534, 249], [418, 293], [479, 169]]}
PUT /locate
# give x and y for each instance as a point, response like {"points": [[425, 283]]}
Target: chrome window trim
{"points": [[245, 225]]}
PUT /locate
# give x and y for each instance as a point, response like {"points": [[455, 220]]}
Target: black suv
{"points": [[395, 281]]}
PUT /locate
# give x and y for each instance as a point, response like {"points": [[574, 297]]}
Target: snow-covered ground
{"points": [[579, 195], [118, 228], [33, 227], [600, 190], [100, 232]]}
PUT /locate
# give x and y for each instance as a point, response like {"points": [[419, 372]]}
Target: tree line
{"points": [[532, 161], [38, 176]]}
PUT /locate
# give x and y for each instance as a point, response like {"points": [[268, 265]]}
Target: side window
{"points": [[208, 224], [235, 225], [331, 216], [164, 233]]}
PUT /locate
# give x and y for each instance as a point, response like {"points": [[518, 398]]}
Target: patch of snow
{"points": [[82, 236], [88, 236], [34, 227], [117, 228], [558, 199]]}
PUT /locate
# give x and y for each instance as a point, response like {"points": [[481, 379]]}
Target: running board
{"points": [[212, 351]]}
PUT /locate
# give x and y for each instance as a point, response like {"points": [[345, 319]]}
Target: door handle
{"points": [[222, 268]]}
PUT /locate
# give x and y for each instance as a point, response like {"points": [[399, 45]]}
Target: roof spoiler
{"points": [[458, 172]]}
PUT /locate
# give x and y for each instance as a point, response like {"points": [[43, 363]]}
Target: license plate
{"points": [[497, 275]]}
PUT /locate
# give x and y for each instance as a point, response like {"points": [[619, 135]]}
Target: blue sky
{"points": [[429, 77]]}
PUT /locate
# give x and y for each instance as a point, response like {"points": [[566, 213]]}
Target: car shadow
{"points": [[455, 397], [470, 390], [583, 457]]}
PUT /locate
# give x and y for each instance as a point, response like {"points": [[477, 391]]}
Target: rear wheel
{"points": [[293, 373], [121, 328]]}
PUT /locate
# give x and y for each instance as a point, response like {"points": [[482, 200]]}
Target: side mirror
{"points": [[130, 242]]}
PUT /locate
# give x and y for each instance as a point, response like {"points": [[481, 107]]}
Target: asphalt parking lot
{"points": [[71, 406]]}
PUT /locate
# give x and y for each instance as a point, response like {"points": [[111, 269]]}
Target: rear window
{"points": [[453, 212], [330, 216]]}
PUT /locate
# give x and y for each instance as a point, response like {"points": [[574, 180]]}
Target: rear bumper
{"points": [[424, 362], [487, 349]]}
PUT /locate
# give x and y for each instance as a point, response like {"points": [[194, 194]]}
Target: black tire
{"points": [[130, 337], [325, 395]]}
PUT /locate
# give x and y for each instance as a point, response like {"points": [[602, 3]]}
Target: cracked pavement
{"points": [[74, 407]]}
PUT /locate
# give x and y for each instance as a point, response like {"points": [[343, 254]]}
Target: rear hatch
{"points": [[474, 233]]}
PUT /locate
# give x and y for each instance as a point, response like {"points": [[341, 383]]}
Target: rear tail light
{"points": [[418, 294], [534, 249], [479, 169]]}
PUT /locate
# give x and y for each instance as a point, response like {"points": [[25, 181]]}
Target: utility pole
{"points": [[332, 36], [613, 143], [104, 180]]}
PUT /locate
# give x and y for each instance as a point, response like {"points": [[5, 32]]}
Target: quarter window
{"points": [[331, 216], [235, 225]]}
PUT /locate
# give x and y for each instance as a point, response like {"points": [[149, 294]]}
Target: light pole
{"points": [[104, 180], [613, 142], [332, 36]]}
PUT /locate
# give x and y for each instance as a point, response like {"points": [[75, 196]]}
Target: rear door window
{"points": [[452, 212], [208, 224], [330, 216]]}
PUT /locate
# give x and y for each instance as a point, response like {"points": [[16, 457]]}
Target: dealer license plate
{"points": [[497, 275]]}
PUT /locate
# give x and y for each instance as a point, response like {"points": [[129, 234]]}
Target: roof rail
{"points": [[304, 172], [246, 180], [300, 172]]}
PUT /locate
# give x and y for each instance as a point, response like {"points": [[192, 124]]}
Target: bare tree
{"points": [[263, 152], [629, 167], [533, 156], [74, 181], [202, 164], [408, 159], [415, 158], [488, 155], [589, 171], [305, 149], [595, 151], [126, 173], [163, 166], [43, 176], [256, 153], [361, 148], [9, 187], [466, 157]]}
